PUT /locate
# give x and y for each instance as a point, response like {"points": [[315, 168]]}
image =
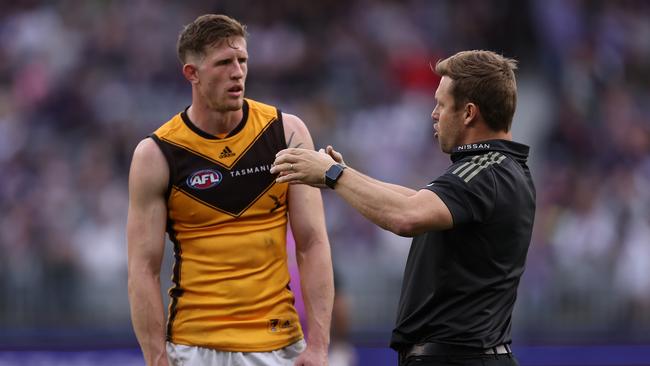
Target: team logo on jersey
{"points": [[204, 179]]}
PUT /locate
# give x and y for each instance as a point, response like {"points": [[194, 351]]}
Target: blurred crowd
{"points": [[81, 82]]}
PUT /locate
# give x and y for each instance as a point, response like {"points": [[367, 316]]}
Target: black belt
{"points": [[439, 349]]}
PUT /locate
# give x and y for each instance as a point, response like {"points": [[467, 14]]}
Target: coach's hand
{"points": [[302, 166], [337, 156], [312, 357]]}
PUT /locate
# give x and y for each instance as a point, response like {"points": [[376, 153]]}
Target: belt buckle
{"points": [[502, 349]]}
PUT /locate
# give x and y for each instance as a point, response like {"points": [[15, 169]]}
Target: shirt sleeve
{"points": [[467, 201]]}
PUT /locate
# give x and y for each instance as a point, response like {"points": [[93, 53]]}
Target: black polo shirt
{"points": [[460, 284]]}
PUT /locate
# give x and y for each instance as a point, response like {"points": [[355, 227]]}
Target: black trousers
{"points": [[479, 360]]}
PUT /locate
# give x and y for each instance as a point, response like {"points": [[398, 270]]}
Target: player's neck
{"points": [[214, 122]]}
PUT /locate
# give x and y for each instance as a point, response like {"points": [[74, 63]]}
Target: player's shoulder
{"points": [[147, 150], [293, 122], [149, 169], [296, 132]]}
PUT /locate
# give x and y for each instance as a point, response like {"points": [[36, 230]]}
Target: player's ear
{"points": [[191, 73]]}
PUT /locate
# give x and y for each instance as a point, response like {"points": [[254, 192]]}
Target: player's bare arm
{"points": [[291, 142], [145, 236], [312, 252]]}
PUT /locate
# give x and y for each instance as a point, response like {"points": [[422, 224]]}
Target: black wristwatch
{"points": [[333, 174]]}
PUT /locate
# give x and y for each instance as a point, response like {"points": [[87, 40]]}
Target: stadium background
{"points": [[81, 82]]}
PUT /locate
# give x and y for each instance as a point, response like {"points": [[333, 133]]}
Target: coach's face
{"points": [[221, 74], [447, 118]]}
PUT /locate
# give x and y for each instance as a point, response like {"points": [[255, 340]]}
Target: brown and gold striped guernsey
{"points": [[227, 220]]}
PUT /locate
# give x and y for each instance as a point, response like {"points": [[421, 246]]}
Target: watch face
{"points": [[331, 172], [332, 175]]}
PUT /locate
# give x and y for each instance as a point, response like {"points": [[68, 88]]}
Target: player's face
{"points": [[222, 74], [447, 121]]}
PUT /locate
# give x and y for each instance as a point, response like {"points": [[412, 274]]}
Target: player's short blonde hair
{"points": [[204, 31]]}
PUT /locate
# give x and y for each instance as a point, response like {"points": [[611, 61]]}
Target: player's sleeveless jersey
{"points": [[227, 220]]}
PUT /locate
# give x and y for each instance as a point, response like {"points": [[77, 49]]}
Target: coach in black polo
{"points": [[471, 227], [460, 284]]}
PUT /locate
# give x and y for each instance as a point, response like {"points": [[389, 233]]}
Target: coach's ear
{"points": [[471, 113], [191, 73]]}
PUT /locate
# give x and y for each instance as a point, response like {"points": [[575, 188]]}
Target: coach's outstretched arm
{"points": [[338, 157], [389, 206], [146, 239]]}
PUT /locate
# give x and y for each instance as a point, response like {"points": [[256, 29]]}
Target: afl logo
{"points": [[204, 179]]}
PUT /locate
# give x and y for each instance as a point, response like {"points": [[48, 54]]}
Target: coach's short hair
{"points": [[205, 31], [486, 79]]}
